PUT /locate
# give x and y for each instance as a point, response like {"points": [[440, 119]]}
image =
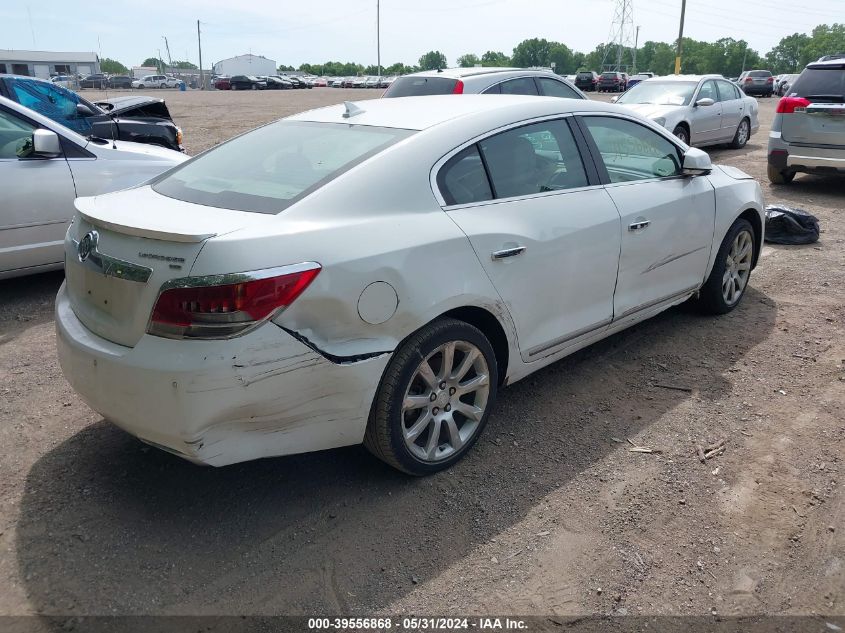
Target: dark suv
{"points": [[135, 118], [587, 80], [757, 82], [612, 82]]}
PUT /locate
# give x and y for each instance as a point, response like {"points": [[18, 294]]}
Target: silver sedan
{"points": [[698, 109]]}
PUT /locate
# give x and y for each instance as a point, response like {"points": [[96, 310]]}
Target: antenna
{"points": [[351, 110], [621, 35]]}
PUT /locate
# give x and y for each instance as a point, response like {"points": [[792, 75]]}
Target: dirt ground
{"points": [[547, 515]]}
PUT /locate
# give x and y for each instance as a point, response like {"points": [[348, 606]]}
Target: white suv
{"points": [[156, 81]]}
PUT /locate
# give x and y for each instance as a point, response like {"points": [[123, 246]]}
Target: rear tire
{"points": [[743, 133], [413, 427], [778, 177], [728, 281]]}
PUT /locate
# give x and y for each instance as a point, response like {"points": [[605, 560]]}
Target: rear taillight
{"points": [[223, 306], [788, 105], [459, 88], [770, 80], [748, 80]]}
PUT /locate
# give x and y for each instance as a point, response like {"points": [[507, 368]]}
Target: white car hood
{"points": [[651, 110], [144, 213], [134, 151]]}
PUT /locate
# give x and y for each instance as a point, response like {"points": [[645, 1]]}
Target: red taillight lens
{"points": [[226, 305], [788, 105], [748, 80], [770, 80], [459, 88]]}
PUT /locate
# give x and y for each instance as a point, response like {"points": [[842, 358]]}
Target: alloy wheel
{"points": [[445, 401], [737, 267], [742, 135]]}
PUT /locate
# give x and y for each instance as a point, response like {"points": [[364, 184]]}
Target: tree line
{"points": [[726, 56]]}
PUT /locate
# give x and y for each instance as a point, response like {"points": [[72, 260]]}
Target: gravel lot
{"points": [[547, 515]]}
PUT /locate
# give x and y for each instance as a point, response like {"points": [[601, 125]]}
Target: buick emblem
{"points": [[87, 245]]}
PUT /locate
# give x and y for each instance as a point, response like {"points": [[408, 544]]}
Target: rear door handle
{"points": [[508, 252], [639, 225]]}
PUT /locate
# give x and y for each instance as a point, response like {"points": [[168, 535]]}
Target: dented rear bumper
{"points": [[220, 402]]}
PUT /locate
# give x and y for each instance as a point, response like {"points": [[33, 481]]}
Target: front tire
{"points": [[743, 133], [682, 133], [728, 280], [778, 177], [434, 399]]}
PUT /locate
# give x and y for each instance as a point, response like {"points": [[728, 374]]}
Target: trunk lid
{"points": [[818, 124], [122, 247]]}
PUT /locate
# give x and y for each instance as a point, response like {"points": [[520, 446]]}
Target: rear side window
{"points": [[533, 159], [727, 91], [463, 179], [553, 88], [521, 86], [821, 83], [421, 86], [269, 169]]}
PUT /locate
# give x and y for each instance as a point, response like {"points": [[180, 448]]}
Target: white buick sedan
{"points": [[374, 272]]}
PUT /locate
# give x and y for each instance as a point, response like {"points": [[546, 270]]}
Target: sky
{"points": [[345, 30]]}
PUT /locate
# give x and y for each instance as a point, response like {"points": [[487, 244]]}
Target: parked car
{"points": [[808, 131], [261, 312], [785, 84], [98, 81], [611, 82], [483, 80], [635, 79], [120, 81], [297, 82], [43, 167], [827, 58], [587, 80], [757, 82], [359, 82], [246, 82], [156, 81], [138, 119], [276, 83], [65, 81], [222, 83], [321, 82], [372, 82], [698, 109]]}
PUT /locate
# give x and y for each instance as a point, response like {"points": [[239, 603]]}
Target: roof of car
{"points": [[686, 77], [420, 113], [827, 62], [460, 73]]}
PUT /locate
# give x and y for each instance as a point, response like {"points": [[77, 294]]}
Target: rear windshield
{"points": [[421, 86], [608, 75], [759, 73], [821, 84], [585, 75], [676, 93], [269, 169]]}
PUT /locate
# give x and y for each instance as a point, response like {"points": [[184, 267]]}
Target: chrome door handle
{"points": [[639, 225], [508, 252]]}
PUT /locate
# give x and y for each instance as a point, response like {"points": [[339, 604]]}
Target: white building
{"points": [[248, 64], [46, 63]]}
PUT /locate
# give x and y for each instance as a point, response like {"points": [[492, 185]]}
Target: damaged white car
{"points": [[374, 272]]}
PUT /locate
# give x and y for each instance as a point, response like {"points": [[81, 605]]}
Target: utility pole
{"points": [[199, 46], [378, 37], [744, 57], [636, 42], [621, 45], [167, 46], [680, 38], [160, 63]]}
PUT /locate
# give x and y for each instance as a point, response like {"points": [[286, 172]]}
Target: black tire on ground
{"points": [[778, 177], [682, 133], [384, 436], [739, 141], [710, 297]]}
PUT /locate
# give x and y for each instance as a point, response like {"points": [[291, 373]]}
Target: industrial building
{"points": [[248, 64], [44, 64]]}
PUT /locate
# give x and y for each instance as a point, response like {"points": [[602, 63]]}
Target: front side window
{"points": [[533, 159], [553, 88], [463, 180], [631, 151], [708, 91], [269, 169], [521, 86], [53, 101], [15, 136]]}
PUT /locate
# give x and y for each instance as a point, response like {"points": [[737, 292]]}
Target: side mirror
{"points": [[45, 144], [696, 162], [614, 99], [706, 101], [83, 110]]}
